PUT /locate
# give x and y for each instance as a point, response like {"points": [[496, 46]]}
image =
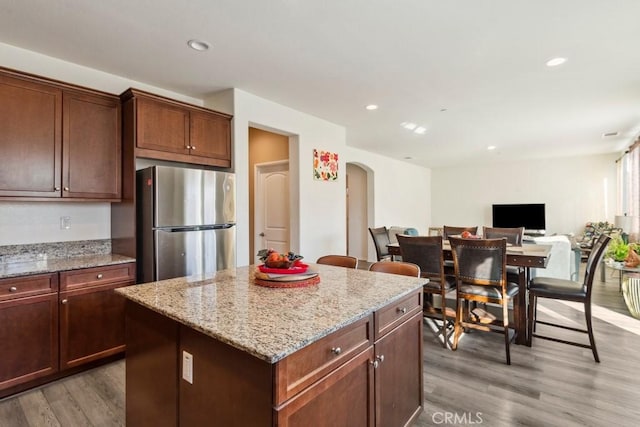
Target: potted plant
{"points": [[618, 250]]}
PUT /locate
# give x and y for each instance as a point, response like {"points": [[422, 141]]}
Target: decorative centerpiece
{"points": [[283, 270]]}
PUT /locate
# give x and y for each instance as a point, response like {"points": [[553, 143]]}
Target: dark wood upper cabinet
{"points": [[166, 129], [58, 140], [162, 126], [91, 146], [30, 138]]}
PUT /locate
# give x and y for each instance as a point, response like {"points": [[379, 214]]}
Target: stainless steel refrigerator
{"points": [[185, 222]]}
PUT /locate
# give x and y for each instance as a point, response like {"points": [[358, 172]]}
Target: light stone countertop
{"points": [[46, 265], [266, 322]]}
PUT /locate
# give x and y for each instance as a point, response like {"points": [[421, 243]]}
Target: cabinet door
{"points": [[399, 391], [30, 137], [91, 146], [342, 398], [91, 324], [210, 136], [28, 339], [162, 126]]}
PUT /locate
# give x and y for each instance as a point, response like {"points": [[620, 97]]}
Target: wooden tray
{"points": [[300, 283]]}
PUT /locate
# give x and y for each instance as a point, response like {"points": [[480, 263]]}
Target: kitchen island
{"points": [[221, 350]]}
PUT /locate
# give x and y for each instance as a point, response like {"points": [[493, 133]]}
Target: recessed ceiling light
{"points": [[556, 61], [491, 147], [442, 110], [408, 125], [608, 134], [198, 45], [371, 107], [420, 130]]}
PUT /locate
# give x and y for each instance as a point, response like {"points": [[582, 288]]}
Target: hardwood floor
{"points": [[549, 384]]}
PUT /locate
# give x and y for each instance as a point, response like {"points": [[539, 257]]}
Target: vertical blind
{"points": [[628, 194]]}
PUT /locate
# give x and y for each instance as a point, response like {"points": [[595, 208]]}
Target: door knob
{"points": [[261, 234]]}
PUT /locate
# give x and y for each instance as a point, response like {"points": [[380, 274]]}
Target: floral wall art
{"points": [[325, 165]]}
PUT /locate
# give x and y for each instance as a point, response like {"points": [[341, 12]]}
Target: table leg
{"points": [[521, 320]]}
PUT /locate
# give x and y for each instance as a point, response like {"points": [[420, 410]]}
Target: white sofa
{"points": [[560, 260]]}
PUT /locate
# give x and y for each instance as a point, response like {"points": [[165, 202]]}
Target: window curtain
{"points": [[628, 200]]}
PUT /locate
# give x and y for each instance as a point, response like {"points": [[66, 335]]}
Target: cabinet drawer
{"points": [[97, 276], [307, 365], [28, 286], [387, 318]]}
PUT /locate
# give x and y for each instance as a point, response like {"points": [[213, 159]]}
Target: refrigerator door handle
{"points": [[195, 228]]}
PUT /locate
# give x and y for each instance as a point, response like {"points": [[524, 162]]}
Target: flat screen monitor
{"points": [[528, 215]]}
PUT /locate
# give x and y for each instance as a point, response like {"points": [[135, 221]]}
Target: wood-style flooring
{"points": [[549, 384]]}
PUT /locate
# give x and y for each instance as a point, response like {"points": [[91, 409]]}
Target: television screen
{"points": [[530, 216]]}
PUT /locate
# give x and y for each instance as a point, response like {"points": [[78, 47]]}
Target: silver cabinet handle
{"points": [[188, 147], [193, 147], [375, 364], [380, 358], [56, 188], [402, 310], [66, 188], [64, 301], [13, 289], [99, 276], [336, 350]]}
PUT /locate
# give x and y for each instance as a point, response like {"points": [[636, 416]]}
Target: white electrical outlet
{"points": [[187, 367], [65, 222]]}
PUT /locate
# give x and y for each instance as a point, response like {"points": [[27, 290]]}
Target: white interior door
{"points": [[272, 207]]}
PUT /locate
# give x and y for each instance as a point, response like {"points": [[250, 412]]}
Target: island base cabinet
{"points": [[229, 387], [342, 398], [152, 368], [398, 375]]}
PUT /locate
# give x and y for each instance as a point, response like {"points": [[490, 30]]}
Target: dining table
{"points": [[527, 256]]}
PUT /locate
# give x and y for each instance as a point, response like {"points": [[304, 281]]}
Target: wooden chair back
{"points": [[396, 267], [448, 231], [339, 261], [380, 237], [425, 252], [514, 235]]}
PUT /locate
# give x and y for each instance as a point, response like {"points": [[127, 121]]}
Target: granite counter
{"points": [[271, 323]]}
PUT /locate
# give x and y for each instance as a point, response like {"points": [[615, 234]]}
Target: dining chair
{"points": [[435, 231], [481, 276], [380, 237], [568, 290], [339, 261], [448, 231], [515, 237], [399, 267], [426, 252]]}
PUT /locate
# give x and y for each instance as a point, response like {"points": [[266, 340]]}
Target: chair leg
{"points": [[592, 340], [457, 327], [443, 308], [505, 324], [531, 318]]}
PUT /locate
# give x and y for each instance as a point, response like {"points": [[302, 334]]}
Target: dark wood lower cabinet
{"points": [[342, 398], [28, 339], [91, 325], [399, 384], [51, 325]]}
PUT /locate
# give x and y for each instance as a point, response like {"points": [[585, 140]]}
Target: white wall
{"points": [[400, 192], [574, 189], [39, 222]]}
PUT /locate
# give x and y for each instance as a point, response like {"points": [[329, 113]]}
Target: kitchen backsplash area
{"points": [[37, 222], [54, 250]]}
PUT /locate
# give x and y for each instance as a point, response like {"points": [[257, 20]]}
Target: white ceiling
{"points": [[481, 60]]}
